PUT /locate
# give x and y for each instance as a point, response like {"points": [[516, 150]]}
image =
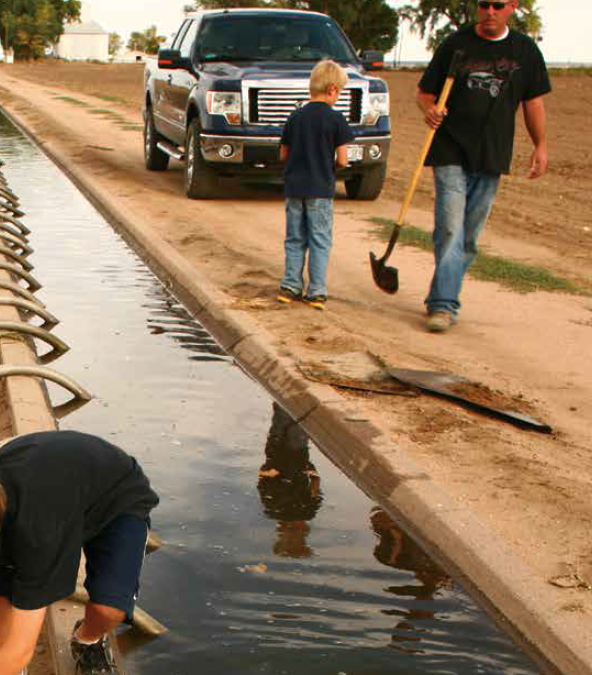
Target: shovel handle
{"points": [[442, 100]]}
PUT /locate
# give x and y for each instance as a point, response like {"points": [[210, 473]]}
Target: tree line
{"points": [[29, 27], [374, 24]]}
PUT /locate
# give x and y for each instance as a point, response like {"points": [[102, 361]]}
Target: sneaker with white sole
{"points": [[439, 322], [93, 659]]}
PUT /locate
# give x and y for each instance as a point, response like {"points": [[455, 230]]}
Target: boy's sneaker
{"points": [[287, 295], [95, 659], [316, 301]]}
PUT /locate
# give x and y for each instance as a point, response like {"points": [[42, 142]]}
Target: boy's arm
{"points": [[284, 152], [341, 156], [19, 632]]}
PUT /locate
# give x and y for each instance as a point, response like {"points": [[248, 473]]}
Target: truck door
{"points": [[181, 83], [163, 113]]}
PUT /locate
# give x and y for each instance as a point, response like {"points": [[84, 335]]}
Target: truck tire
{"points": [[154, 158], [368, 185], [200, 181]]}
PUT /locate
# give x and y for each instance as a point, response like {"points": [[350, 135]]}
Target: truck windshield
{"points": [[272, 38]]}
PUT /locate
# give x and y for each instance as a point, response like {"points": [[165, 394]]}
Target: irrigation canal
{"points": [[297, 574]]}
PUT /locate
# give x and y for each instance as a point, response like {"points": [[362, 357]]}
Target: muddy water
{"points": [[274, 563]]}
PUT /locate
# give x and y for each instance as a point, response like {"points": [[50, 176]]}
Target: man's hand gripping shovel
{"points": [[387, 278]]}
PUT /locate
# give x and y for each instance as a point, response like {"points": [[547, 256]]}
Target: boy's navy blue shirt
{"points": [[313, 133], [63, 488]]}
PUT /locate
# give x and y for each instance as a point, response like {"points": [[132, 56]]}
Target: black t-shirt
{"points": [[494, 76], [62, 488], [313, 133]]}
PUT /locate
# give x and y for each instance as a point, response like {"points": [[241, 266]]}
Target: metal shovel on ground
{"points": [[385, 277]]}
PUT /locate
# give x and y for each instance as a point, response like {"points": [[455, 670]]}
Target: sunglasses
{"points": [[483, 4]]}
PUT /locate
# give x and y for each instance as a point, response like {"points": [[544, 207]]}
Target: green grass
{"points": [[73, 101], [514, 275], [107, 114], [106, 97]]}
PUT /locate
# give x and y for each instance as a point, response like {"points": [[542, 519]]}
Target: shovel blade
{"points": [[385, 277]]}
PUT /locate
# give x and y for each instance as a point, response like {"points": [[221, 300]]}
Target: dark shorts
{"points": [[113, 564], [114, 561]]}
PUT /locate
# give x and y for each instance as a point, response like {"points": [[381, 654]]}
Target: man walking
{"points": [[499, 70], [60, 492]]}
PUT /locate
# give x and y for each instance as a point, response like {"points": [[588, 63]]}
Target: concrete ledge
{"points": [[495, 577]]}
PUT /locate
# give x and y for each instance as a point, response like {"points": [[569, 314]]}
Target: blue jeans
{"points": [[463, 203], [309, 226]]}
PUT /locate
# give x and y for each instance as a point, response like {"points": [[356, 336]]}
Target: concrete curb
{"points": [[517, 600]]}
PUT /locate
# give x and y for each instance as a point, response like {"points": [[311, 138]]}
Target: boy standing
{"points": [[313, 141], [61, 491]]}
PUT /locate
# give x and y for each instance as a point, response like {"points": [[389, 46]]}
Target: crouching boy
{"points": [[313, 141], [60, 492]]}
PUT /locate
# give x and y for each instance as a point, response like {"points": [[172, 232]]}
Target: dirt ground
{"points": [[533, 490]]}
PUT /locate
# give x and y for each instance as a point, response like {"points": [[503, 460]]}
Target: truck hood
{"points": [[270, 70]]}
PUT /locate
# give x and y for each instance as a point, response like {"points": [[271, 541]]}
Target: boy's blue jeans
{"points": [[463, 203], [309, 226]]}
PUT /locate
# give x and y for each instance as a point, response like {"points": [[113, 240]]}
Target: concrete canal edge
{"points": [[497, 579]]}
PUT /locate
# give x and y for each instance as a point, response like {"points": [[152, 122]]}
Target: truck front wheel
{"points": [[154, 158], [368, 185], [200, 181]]}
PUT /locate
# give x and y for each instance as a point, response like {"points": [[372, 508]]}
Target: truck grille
{"points": [[274, 106]]}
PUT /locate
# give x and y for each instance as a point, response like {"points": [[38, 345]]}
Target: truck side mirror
{"points": [[171, 59]]}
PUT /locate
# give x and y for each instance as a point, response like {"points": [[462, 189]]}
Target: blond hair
{"points": [[325, 74]]}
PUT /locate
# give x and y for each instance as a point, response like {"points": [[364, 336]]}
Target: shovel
{"points": [[387, 278]]}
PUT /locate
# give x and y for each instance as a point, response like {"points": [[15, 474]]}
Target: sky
{"points": [[566, 25]]}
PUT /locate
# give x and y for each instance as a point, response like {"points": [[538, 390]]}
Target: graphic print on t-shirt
{"points": [[489, 76]]}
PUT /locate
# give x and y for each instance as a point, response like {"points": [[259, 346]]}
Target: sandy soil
{"points": [[531, 489]]}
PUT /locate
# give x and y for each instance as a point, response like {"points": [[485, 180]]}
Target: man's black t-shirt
{"points": [[313, 133], [494, 76], [62, 488]]}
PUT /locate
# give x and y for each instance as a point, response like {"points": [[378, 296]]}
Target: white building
{"points": [[84, 40]]}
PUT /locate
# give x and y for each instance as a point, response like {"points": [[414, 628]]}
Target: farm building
{"points": [[84, 40]]}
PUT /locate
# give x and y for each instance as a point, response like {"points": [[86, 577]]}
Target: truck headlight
{"points": [[378, 106], [227, 103]]}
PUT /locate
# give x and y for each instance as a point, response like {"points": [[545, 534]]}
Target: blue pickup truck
{"points": [[218, 98]]}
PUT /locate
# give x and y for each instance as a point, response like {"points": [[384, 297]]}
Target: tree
{"points": [[370, 24], [30, 26], [146, 41], [439, 18], [115, 43]]}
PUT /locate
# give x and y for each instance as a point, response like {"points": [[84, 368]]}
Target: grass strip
{"points": [[73, 101], [103, 111], [107, 97], [514, 275]]}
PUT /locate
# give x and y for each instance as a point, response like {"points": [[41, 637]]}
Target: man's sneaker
{"points": [[439, 322], [287, 295], [316, 301], [95, 659]]}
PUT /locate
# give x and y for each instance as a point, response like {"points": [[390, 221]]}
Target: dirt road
{"points": [[531, 489]]}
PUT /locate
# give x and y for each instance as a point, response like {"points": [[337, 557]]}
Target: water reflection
{"points": [[396, 549], [183, 329], [289, 485]]}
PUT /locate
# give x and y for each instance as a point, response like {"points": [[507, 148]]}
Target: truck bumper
{"points": [[263, 152]]}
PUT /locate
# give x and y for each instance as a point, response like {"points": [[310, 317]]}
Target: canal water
{"points": [[273, 563]]}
